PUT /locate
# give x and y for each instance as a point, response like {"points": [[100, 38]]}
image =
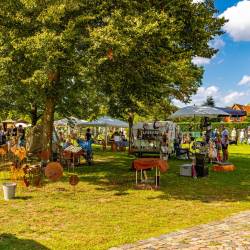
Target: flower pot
{"points": [[9, 190]]}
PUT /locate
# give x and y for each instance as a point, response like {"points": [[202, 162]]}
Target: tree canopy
{"points": [[143, 52]]}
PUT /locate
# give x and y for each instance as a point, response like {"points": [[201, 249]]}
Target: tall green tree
{"points": [[41, 45], [143, 52], [209, 102], [22, 100]]}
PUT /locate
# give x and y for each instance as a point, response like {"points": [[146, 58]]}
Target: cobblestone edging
{"points": [[230, 233]]}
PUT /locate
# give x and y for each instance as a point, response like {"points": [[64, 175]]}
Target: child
{"points": [[219, 148], [212, 151]]}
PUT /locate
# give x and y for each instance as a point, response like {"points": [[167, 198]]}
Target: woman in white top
{"points": [[242, 136]]}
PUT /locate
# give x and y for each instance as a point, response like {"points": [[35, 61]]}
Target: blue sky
{"points": [[227, 75]]}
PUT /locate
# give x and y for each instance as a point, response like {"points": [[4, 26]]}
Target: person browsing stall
{"points": [[21, 136], [224, 142], [88, 135], [2, 136]]}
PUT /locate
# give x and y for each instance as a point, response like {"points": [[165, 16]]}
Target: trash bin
{"points": [[9, 190]]}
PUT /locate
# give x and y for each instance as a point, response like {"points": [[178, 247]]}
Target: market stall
{"points": [[210, 147], [154, 138], [107, 125]]}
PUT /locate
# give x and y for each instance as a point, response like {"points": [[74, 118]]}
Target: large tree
{"points": [[143, 52], [133, 53], [42, 44]]}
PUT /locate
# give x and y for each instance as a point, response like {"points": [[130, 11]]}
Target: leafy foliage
{"points": [[143, 53], [209, 102]]}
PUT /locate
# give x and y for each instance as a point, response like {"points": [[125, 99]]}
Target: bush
{"points": [[185, 126]]}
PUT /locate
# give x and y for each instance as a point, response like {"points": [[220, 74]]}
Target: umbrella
{"points": [[198, 111], [24, 125]]}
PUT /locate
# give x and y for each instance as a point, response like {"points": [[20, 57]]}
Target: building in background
{"points": [[244, 108], [235, 115]]}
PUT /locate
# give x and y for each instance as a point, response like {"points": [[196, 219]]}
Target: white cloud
{"points": [[238, 25], [202, 94], [199, 61], [200, 97], [198, 1], [245, 80], [217, 43], [233, 97], [222, 99], [178, 103], [212, 90]]}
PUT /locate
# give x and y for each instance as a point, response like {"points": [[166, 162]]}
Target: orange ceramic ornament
{"points": [[54, 171], [73, 180]]}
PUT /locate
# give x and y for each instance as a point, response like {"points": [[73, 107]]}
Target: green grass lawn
{"points": [[106, 210]]}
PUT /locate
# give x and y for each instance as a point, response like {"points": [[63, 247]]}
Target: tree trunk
{"points": [[48, 120], [34, 115], [130, 122]]}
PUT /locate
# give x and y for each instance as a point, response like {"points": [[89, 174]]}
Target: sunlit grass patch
{"points": [[106, 210]]}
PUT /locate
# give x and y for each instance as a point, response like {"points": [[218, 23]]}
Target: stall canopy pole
{"points": [[106, 136]]}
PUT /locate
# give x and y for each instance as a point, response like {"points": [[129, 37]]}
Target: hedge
{"points": [[185, 126]]}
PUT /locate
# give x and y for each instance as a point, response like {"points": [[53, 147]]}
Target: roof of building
{"points": [[247, 108], [239, 105], [243, 107], [233, 112]]}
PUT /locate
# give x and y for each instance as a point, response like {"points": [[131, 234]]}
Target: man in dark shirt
{"points": [[88, 135], [2, 136]]}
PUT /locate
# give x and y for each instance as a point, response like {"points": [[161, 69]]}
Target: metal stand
{"points": [[157, 177]]}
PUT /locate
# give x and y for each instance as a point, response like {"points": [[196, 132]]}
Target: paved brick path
{"points": [[230, 233]]}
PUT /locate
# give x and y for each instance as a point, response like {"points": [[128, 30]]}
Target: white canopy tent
{"points": [[8, 121], [68, 123], [71, 121], [106, 121], [198, 111]]}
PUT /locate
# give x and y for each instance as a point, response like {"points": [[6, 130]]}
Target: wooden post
{"points": [[136, 180]]}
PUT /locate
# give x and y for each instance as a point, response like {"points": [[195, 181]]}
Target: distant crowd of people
{"points": [[215, 141], [14, 134], [72, 139]]}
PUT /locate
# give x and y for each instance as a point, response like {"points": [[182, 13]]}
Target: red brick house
{"points": [[234, 115], [245, 108], [242, 108]]}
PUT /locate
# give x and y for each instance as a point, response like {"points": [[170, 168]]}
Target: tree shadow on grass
{"points": [[23, 198], [218, 186], [10, 242], [113, 174]]}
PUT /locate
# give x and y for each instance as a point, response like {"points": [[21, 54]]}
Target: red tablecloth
{"points": [[146, 163]]}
